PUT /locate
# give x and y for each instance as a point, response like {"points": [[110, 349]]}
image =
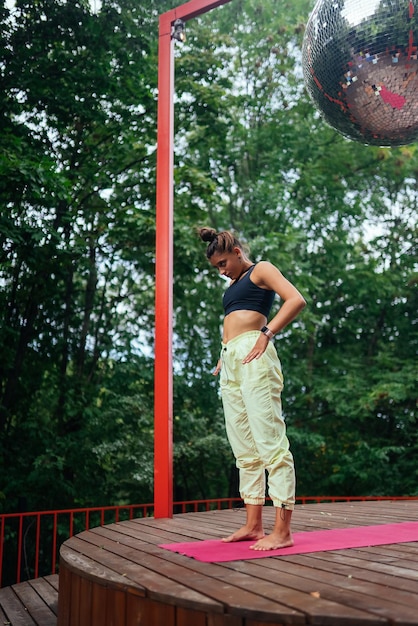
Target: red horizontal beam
{"points": [[191, 9]]}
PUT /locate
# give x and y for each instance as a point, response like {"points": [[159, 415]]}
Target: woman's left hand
{"points": [[259, 348]]}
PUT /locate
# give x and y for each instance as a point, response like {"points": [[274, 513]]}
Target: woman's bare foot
{"points": [[245, 534], [273, 542]]}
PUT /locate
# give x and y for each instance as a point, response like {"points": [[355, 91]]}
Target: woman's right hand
{"points": [[217, 368]]}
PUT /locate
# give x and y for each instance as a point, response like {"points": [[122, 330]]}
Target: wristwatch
{"points": [[266, 330]]}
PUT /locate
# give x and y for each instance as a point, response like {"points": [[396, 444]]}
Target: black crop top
{"points": [[246, 295]]}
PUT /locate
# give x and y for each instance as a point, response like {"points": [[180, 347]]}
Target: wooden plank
{"points": [[251, 622], [98, 604], [209, 521], [135, 536], [64, 596], [34, 604], [227, 620], [188, 617], [53, 580], [3, 618], [17, 614], [144, 611], [75, 599], [47, 592], [182, 530], [115, 609], [85, 602]]}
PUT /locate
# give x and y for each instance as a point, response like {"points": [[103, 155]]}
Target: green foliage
{"points": [[338, 218], [77, 231]]}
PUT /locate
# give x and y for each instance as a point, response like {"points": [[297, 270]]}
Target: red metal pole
{"points": [[163, 377], [163, 365]]}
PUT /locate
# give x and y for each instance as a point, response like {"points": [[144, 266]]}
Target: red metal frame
{"points": [[163, 366]]}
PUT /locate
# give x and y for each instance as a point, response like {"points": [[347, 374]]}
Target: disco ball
{"points": [[361, 70]]}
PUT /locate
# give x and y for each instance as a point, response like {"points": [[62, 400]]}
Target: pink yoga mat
{"points": [[215, 551]]}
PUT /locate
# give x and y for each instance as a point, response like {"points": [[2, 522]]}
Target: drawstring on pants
{"points": [[224, 367], [283, 512]]}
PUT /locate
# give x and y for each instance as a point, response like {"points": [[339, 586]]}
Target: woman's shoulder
{"points": [[264, 267], [264, 264], [264, 273]]}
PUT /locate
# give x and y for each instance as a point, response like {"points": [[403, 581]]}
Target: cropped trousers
{"points": [[251, 397]]}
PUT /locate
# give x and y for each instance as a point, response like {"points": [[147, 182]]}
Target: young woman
{"points": [[251, 382]]}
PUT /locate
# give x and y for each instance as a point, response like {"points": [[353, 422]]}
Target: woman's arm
{"points": [[268, 276]]}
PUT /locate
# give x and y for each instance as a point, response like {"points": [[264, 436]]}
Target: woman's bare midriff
{"points": [[239, 322]]}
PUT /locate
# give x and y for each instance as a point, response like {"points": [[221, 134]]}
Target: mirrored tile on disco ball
{"points": [[361, 70]]}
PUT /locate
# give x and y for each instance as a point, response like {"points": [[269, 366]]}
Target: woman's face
{"points": [[229, 264]]}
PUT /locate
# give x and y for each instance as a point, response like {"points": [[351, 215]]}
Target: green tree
{"points": [[77, 230], [310, 201]]}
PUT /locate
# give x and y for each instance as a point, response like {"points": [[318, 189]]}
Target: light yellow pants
{"points": [[251, 397]]}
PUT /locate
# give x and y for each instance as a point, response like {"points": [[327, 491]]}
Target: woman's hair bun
{"points": [[208, 234]]}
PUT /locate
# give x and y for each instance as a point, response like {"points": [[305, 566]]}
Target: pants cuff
{"points": [[255, 501]]}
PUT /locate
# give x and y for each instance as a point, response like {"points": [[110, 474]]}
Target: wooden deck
{"points": [[32, 603], [117, 575]]}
